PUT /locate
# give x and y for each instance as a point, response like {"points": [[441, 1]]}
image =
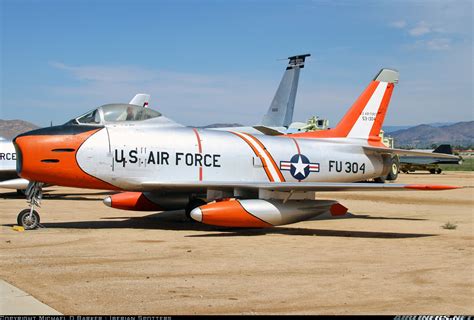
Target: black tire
{"points": [[379, 179], [394, 169], [192, 204], [432, 171], [439, 170], [27, 223]]}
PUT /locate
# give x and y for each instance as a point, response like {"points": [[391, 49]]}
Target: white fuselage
{"points": [[128, 156]]}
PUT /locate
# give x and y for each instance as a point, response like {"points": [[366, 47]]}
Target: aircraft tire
{"points": [[394, 169], [438, 171], [432, 171], [26, 222]]}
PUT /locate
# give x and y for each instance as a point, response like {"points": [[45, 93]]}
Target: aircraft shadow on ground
{"points": [[175, 220], [368, 217]]}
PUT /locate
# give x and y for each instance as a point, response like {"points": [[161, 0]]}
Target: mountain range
{"points": [[424, 135], [9, 129]]}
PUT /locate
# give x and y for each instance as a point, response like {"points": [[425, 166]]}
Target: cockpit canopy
{"points": [[116, 113]]}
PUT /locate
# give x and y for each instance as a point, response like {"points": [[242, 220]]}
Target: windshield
{"points": [[116, 113], [127, 112], [92, 117]]}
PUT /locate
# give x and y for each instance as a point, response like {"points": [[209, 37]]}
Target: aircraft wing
{"points": [[288, 186], [269, 131], [410, 153]]}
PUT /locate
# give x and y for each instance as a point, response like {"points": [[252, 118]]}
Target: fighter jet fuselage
{"points": [[125, 157]]}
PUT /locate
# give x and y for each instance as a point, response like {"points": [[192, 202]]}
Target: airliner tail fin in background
{"points": [[280, 113]]}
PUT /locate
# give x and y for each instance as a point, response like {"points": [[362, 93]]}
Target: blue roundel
{"points": [[299, 166]]}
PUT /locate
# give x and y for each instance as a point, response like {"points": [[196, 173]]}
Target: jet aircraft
{"points": [[8, 174], [224, 178], [411, 164], [276, 121]]}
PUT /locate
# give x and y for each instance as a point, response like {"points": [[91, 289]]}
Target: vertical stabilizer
{"points": [[280, 113], [365, 118]]}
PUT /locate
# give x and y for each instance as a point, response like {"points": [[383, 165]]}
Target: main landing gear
{"points": [[29, 218]]}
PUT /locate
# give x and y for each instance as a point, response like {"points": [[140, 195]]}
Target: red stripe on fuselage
{"points": [[199, 149]]}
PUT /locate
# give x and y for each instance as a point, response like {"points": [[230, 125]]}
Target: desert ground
{"points": [[392, 256]]}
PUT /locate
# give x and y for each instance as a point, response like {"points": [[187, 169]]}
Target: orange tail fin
{"points": [[365, 118]]}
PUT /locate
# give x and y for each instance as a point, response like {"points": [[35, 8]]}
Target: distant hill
{"points": [[423, 136], [9, 129], [390, 129]]}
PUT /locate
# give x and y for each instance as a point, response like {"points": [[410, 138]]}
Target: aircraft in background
{"points": [[431, 164], [279, 115], [8, 177], [224, 178], [8, 174]]}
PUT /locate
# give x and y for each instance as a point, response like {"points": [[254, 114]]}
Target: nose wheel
{"points": [[29, 218]]}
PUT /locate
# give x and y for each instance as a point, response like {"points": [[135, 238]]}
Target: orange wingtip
{"points": [[430, 187]]}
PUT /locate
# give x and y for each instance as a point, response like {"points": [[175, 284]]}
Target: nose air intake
{"points": [[49, 154]]}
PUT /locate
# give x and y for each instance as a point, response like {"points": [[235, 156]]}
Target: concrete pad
{"points": [[13, 301]]}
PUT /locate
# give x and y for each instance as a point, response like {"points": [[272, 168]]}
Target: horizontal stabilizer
{"points": [[444, 148], [297, 61], [410, 153]]}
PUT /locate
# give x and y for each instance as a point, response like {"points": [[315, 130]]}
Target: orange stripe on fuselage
{"points": [[273, 163], [246, 138], [65, 172], [270, 178]]}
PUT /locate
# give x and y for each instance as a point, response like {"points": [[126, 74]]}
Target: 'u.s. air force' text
{"points": [[144, 157]]}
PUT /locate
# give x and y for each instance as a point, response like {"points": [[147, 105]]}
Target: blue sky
{"points": [[220, 61]]}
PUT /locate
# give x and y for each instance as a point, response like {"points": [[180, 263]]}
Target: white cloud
{"points": [[106, 73], [420, 29], [189, 98], [400, 24], [439, 44], [436, 44]]}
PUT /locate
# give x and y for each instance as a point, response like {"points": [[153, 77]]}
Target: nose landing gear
{"points": [[29, 218]]}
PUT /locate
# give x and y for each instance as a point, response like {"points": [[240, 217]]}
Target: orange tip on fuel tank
{"points": [[433, 187]]}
